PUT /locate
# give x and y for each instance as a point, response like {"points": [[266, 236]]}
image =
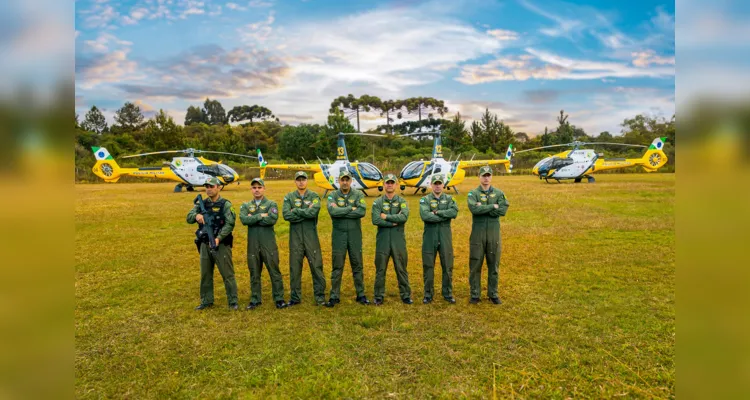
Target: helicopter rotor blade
{"points": [[153, 152], [614, 144], [362, 134], [580, 144], [433, 133], [222, 152], [543, 147]]}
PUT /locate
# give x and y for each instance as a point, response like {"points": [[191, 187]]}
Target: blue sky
{"points": [[523, 59]]}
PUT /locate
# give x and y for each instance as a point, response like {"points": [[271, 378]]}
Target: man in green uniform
{"points": [[437, 209], [346, 208], [487, 204], [260, 215], [389, 214], [219, 212], [301, 208]]}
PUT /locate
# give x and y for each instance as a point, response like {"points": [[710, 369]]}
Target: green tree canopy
{"points": [[94, 121]]}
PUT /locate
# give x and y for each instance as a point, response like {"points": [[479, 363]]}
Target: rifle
{"points": [[205, 229]]}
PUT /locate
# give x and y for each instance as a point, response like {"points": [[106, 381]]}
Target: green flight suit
{"points": [[485, 238], [302, 214], [391, 242], [222, 258], [437, 239], [346, 236], [261, 246]]}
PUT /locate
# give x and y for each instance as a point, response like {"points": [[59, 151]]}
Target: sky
{"points": [[524, 60]]}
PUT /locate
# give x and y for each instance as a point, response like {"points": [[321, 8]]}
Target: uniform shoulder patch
{"points": [[421, 200], [471, 194], [362, 200], [403, 205], [316, 201], [274, 210]]}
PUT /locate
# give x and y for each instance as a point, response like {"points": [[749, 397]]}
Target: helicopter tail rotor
{"points": [[655, 157], [106, 167]]}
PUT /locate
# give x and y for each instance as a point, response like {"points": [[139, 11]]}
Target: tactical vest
{"points": [[215, 214]]}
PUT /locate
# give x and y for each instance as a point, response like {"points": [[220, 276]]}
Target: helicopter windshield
{"points": [[370, 172], [226, 172], [543, 162], [412, 170], [217, 170], [550, 163]]}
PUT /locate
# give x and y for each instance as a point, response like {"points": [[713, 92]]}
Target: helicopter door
{"points": [[369, 172]]}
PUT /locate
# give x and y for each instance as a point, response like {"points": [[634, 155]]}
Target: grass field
{"points": [[587, 278]]}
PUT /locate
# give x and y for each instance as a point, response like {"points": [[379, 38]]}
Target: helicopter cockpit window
{"points": [[412, 170], [226, 170], [558, 163], [428, 170], [369, 171], [212, 170], [353, 171]]}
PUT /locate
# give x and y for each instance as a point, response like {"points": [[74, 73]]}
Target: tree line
{"points": [[256, 127]]}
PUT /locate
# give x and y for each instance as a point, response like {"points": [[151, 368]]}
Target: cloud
{"points": [[260, 3], [102, 43], [145, 108], [595, 111], [502, 34], [370, 48], [294, 117], [258, 31], [136, 15], [645, 58], [111, 67], [235, 7], [99, 16], [210, 71], [547, 66], [541, 96], [193, 8], [166, 92], [564, 27]]}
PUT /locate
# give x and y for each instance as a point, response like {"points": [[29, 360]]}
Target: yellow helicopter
{"points": [[189, 171], [578, 163], [365, 175], [416, 174]]}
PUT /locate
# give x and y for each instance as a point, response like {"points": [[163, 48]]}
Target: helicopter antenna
{"points": [[319, 160], [472, 156], [329, 160], [303, 159]]}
